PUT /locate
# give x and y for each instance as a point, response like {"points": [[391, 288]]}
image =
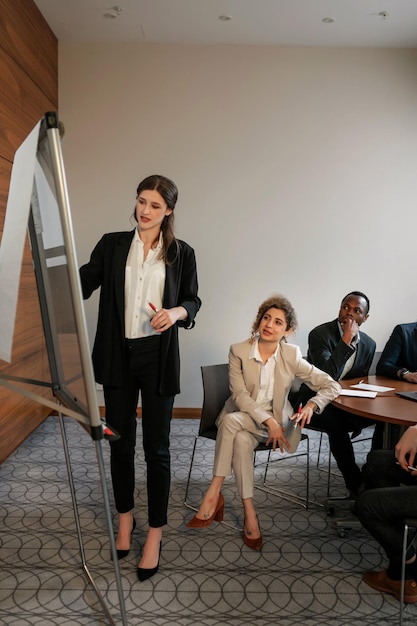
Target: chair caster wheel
{"points": [[344, 526]]}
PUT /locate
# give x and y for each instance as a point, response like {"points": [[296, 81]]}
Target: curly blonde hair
{"points": [[277, 301]]}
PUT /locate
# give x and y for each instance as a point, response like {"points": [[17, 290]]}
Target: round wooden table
{"points": [[387, 407]]}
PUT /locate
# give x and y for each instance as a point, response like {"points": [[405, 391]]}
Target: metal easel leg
{"points": [[109, 523]]}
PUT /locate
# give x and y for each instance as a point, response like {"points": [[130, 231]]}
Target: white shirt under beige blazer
{"points": [[244, 376]]}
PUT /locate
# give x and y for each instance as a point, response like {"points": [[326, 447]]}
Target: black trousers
{"points": [[339, 424], [121, 402], [391, 498]]}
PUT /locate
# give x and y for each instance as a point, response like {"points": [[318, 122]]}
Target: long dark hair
{"points": [[169, 191]]}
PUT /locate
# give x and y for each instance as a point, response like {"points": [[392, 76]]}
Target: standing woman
{"points": [[261, 372], [148, 281]]}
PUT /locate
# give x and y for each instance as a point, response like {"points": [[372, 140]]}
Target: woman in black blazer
{"points": [[148, 282]]}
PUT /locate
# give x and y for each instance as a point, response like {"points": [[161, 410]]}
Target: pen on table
{"points": [[153, 307], [360, 382]]}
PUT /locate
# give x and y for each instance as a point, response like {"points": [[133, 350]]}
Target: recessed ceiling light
{"points": [[113, 13], [225, 18], [328, 20]]}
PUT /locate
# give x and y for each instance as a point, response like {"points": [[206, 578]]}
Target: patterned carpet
{"points": [[305, 575]]}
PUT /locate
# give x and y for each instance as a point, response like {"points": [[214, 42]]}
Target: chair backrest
{"points": [[216, 391], [375, 360]]}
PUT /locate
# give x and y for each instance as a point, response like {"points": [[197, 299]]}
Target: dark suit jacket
{"points": [[106, 269], [400, 351], [328, 352]]}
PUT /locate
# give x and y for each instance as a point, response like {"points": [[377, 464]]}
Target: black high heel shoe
{"points": [[144, 573], [122, 553]]}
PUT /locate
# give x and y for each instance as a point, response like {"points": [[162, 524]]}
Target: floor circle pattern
{"points": [[305, 575]]}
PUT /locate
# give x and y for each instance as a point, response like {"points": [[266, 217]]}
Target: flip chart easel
{"points": [[38, 197]]}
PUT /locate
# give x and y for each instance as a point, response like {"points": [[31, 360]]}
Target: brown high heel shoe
{"points": [[196, 522], [253, 544]]}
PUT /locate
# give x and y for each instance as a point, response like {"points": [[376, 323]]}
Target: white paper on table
{"points": [[376, 388], [357, 393]]}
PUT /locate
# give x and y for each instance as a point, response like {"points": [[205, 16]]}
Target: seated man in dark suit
{"points": [[382, 509], [399, 357], [338, 348]]}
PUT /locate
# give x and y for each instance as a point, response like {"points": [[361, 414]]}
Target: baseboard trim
{"points": [[186, 413]]}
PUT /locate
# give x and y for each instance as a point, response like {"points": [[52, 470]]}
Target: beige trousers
{"points": [[237, 437]]}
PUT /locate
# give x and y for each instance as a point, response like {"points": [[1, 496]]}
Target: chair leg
{"points": [[406, 543], [308, 475], [403, 557], [329, 465], [266, 466], [189, 477], [319, 451], [286, 495], [329, 471]]}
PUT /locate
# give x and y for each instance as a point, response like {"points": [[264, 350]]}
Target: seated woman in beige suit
{"points": [[261, 372]]}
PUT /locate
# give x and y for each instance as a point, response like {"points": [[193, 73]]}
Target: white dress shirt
{"points": [[266, 378], [144, 283], [351, 360]]}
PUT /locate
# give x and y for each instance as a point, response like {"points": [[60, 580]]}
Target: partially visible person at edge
{"points": [[399, 357], [391, 497], [261, 372], [344, 352], [148, 282]]}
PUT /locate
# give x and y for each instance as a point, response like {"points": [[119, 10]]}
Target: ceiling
{"points": [[357, 23]]}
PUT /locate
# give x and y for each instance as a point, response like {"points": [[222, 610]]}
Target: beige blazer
{"points": [[244, 374]]}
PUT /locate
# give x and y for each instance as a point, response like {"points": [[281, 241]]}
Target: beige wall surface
{"points": [[296, 169]]}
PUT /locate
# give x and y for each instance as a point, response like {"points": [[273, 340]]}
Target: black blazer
{"points": [[328, 352], [106, 269], [400, 351]]}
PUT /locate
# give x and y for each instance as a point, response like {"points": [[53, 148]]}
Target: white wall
{"points": [[296, 169]]}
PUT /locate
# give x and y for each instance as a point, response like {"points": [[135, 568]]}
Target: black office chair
{"points": [[409, 523], [216, 391]]}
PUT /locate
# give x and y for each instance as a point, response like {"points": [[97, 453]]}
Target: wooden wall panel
{"points": [[5, 171], [28, 88], [19, 415], [27, 39], [21, 105]]}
